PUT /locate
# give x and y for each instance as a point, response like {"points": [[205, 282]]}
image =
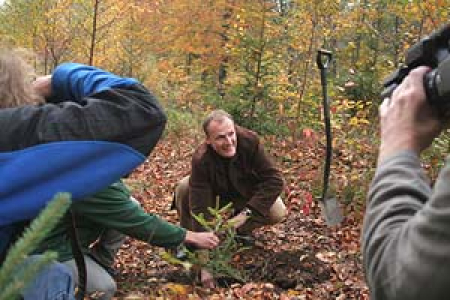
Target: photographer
{"points": [[406, 233]]}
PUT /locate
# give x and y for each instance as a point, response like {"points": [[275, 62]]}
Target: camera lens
{"points": [[437, 84], [431, 90]]}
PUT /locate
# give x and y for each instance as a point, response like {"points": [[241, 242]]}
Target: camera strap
{"points": [[77, 254]]}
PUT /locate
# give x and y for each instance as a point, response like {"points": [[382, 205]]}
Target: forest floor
{"points": [[300, 258]]}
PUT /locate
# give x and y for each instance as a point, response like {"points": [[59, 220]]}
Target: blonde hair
{"points": [[16, 76]]}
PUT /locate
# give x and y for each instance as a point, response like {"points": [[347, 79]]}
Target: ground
{"points": [[300, 258]]}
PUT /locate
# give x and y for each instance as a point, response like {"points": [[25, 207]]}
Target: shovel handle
{"points": [[323, 61], [323, 58]]}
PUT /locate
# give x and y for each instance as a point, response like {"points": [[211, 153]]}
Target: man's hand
{"points": [[238, 220], [207, 279], [43, 86], [407, 120], [204, 240]]}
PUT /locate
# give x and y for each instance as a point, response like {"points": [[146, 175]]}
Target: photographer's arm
{"points": [[405, 239], [391, 237]]}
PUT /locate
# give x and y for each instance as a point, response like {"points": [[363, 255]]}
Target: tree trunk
{"points": [[261, 49], [307, 71], [94, 33]]}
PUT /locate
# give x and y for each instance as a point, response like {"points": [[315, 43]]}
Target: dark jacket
{"points": [[249, 179], [88, 104]]}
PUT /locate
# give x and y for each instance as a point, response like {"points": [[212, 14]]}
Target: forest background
{"points": [[255, 59]]}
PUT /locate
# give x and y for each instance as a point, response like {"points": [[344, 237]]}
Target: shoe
{"points": [[245, 240], [178, 253], [181, 254]]}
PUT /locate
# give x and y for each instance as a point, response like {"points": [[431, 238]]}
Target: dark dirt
{"points": [[299, 255], [287, 269]]}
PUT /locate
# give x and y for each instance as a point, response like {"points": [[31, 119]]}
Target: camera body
{"points": [[432, 51]]}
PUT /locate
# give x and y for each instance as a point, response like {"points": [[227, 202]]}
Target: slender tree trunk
{"points": [[94, 33], [188, 67], [132, 39], [307, 70], [359, 37], [222, 71], [46, 68], [261, 49], [397, 41]]}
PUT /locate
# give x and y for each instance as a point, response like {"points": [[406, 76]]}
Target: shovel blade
{"points": [[331, 211]]}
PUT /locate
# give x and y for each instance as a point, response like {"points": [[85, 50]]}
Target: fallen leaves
{"points": [[325, 262], [327, 256]]}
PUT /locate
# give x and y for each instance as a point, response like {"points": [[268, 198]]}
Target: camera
{"points": [[432, 51]]}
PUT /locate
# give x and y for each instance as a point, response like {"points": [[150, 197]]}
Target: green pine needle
{"points": [[32, 237], [221, 257], [26, 275]]}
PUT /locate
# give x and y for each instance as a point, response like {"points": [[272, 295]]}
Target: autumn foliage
{"points": [[256, 59]]}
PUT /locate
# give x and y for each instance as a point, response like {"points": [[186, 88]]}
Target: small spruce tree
{"points": [[219, 259]]}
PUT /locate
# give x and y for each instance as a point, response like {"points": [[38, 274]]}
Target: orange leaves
{"points": [[299, 258], [308, 133], [177, 290], [307, 203]]}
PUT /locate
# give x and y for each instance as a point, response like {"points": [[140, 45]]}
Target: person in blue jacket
{"points": [[90, 129]]}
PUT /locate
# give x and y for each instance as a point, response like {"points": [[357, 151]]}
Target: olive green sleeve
{"points": [[112, 208]]}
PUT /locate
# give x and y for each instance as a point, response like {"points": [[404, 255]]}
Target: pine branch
{"points": [[32, 237], [220, 258], [26, 275]]}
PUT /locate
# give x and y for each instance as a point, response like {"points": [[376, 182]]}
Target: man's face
{"points": [[222, 137]]}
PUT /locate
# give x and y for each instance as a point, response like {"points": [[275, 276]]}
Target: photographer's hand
{"points": [[407, 120]]}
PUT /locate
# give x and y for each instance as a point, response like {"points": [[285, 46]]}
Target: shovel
{"points": [[330, 206]]}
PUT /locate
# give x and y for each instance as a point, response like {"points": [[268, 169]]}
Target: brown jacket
{"points": [[249, 179]]}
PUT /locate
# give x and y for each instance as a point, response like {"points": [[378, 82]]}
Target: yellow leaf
{"points": [[353, 121], [293, 293], [177, 289]]}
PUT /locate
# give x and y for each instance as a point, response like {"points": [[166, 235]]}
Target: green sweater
{"points": [[112, 209]]}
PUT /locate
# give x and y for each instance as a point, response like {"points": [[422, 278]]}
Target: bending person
{"points": [[103, 221], [231, 163], [80, 107]]}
